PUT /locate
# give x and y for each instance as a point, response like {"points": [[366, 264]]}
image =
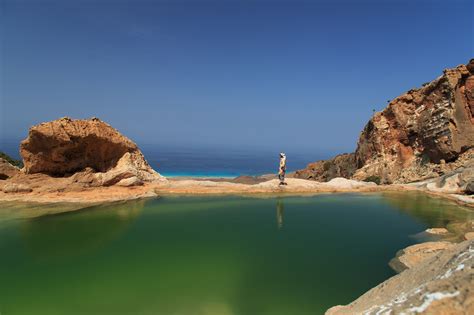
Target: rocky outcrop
{"points": [[453, 183], [93, 152], [421, 134], [343, 165], [458, 181], [413, 255], [7, 170], [430, 125], [442, 284]]}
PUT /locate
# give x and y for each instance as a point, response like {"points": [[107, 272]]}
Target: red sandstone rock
{"points": [[343, 165], [96, 153], [421, 134], [433, 124]]}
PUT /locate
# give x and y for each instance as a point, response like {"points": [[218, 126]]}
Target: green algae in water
{"points": [[211, 255]]}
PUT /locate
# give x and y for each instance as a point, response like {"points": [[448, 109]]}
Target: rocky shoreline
{"points": [[440, 284], [43, 189]]}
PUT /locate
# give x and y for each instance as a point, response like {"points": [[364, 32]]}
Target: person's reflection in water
{"points": [[280, 209]]}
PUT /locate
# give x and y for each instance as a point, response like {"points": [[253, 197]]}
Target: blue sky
{"points": [[276, 74]]}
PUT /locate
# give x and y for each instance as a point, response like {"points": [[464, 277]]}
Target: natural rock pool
{"points": [[211, 255]]}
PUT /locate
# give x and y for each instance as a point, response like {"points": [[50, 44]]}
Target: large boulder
{"points": [[91, 150]]}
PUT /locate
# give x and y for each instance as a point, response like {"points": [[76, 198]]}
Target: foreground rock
{"points": [[442, 284], [413, 255], [424, 133], [91, 150]]}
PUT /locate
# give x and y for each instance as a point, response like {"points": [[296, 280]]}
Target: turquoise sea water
{"points": [[210, 255], [222, 162], [200, 174], [186, 161]]}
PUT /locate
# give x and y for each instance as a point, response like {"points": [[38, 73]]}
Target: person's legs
{"points": [[282, 178]]}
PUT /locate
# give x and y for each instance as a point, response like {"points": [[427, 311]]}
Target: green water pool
{"points": [[211, 255]]}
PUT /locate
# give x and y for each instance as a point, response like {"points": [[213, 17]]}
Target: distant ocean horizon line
{"points": [[11, 146], [207, 162]]}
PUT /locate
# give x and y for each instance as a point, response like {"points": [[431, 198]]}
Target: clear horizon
{"points": [[291, 76]]}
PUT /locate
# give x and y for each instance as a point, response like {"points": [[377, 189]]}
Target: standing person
{"points": [[282, 170]]}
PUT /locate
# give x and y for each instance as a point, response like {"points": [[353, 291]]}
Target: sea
{"points": [[212, 161]]}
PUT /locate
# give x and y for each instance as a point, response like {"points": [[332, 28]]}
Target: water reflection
{"points": [[279, 213], [207, 255], [10, 211], [78, 233]]}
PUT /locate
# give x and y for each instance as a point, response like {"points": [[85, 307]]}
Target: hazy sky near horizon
{"points": [[277, 74]]}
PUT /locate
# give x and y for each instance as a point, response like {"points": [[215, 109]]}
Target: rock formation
{"points": [[413, 255], [442, 284], [458, 181], [418, 136], [7, 170], [91, 150], [343, 165]]}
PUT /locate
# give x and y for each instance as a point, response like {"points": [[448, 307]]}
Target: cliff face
{"points": [[421, 134], [430, 125]]}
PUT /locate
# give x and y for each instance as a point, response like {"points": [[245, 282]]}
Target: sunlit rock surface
{"points": [[421, 134], [413, 255], [95, 152], [442, 284]]}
